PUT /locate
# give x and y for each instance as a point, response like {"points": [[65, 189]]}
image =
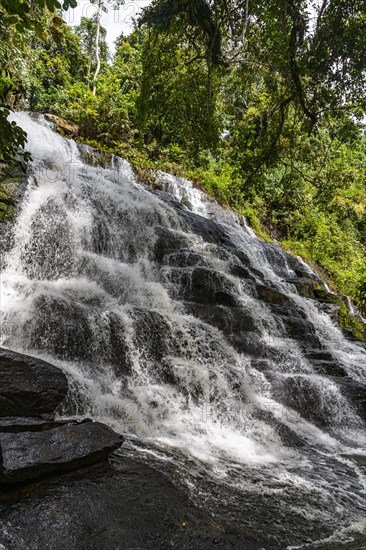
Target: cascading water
{"points": [[187, 333]]}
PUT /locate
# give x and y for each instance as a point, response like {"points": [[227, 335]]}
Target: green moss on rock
{"points": [[351, 323], [186, 202], [307, 287], [8, 188]]}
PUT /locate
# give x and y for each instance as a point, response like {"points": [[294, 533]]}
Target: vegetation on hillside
{"points": [[261, 103]]}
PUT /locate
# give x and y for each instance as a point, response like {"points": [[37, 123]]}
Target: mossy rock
{"points": [[8, 197], [272, 296], [146, 175], [307, 287], [63, 126], [186, 202], [323, 295], [97, 158], [351, 323]]}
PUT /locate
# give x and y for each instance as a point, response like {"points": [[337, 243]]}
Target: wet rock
{"points": [[208, 230], [262, 365], [323, 295], [185, 258], [152, 335], [330, 368], [325, 363], [355, 391], [286, 311], [246, 267], [287, 434], [31, 455], [14, 424], [301, 330], [319, 355], [204, 286], [330, 309], [304, 397], [241, 271], [301, 269], [122, 505], [305, 286], [29, 386], [68, 128], [168, 242], [230, 320], [64, 327], [272, 295]]}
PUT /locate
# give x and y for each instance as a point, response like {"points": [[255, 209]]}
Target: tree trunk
{"points": [[99, 14]]}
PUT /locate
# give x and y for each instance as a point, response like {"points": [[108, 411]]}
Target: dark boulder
{"points": [[325, 363], [272, 295], [232, 321], [31, 455], [168, 242], [240, 271], [330, 368], [203, 286], [300, 394], [355, 391], [29, 386], [305, 286], [301, 330], [185, 258]]}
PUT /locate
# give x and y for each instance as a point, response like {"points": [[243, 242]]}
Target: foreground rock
{"points": [[29, 386], [32, 443], [126, 505], [31, 455], [129, 505]]}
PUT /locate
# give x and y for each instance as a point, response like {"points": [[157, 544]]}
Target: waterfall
{"points": [[185, 332]]}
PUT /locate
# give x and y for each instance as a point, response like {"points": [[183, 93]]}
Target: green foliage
{"points": [[177, 101], [87, 31], [361, 292], [11, 138], [16, 17]]}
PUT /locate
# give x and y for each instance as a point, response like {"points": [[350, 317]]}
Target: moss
{"points": [[253, 220], [307, 287], [8, 187], [323, 295], [351, 322], [146, 175], [97, 158], [186, 202]]}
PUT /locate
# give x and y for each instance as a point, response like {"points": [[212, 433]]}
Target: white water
{"points": [[81, 288]]}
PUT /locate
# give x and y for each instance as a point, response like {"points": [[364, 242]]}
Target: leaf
{"points": [[69, 4]]}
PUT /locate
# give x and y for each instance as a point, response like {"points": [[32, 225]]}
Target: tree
{"points": [[87, 31], [178, 97], [320, 54], [290, 81], [102, 6], [18, 16]]}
